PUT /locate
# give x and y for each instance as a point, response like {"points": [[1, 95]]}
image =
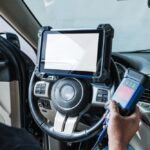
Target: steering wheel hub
{"points": [[70, 96], [67, 92]]}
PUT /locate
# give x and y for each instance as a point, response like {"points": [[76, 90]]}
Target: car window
{"points": [[129, 18], [25, 47]]}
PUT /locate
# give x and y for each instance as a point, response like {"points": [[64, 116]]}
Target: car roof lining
{"points": [[18, 15]]}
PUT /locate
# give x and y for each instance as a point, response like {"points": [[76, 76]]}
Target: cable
{"points": [[95, 145], [100, 138], [79, 148], [103, 132]]}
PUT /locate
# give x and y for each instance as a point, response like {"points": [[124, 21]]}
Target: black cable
{"points": [[95, 145], [80, 144]]}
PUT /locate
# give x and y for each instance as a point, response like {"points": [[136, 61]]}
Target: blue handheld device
{"points": [[129, 91], [127, 95]]}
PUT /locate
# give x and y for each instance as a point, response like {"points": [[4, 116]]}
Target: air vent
{"points": [[146, 96]]}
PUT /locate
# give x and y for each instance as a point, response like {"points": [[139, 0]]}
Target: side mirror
{"points": [[148, 3], [11, 37]]}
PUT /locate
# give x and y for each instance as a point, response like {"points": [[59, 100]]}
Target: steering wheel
{"points": [[68, 107]]}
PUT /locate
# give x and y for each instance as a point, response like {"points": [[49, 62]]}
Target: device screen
{"points": [[72, 52], [125, 92], [76, 53]]}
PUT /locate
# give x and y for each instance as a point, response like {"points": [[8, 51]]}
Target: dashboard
{"points": [[139, 61]]}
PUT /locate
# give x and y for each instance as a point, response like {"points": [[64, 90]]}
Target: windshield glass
{"points": [[129, 18]]}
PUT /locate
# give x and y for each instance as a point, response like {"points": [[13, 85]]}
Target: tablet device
{"points": [[75, 53]]}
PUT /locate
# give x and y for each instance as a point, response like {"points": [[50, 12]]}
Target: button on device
{"points": [[41, 89], [102, 95]]}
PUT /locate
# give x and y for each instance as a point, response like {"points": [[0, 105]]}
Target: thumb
{"points": [[113, 107]]}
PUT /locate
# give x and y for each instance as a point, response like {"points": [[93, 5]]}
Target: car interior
{"points": [[63, 108]]}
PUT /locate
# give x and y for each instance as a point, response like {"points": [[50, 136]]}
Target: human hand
{"points": [[121, 129]]}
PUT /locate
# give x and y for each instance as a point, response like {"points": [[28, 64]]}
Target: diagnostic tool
{"points": [[127, 95], [129, 91], [80, 53]]}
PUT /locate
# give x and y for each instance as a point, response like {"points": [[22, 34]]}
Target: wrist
{"points": [[117, 146]]}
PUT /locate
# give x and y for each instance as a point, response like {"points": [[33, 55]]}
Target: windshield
{"points": [[129, 18]]}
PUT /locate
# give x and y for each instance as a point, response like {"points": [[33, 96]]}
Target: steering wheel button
{"points": [[41, 89], [43, 85], [37, 91], [99, 99], [99, 95], [105, 95], [104, 99], [42, 92]]}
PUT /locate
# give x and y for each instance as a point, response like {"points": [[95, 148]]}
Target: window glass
{"points": [[129, 18], [25, 47]]}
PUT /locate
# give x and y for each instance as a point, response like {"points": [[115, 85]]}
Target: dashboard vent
{"points": [[146, 96]]}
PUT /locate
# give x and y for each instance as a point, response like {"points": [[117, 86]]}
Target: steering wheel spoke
{"points": [[59, 122], [70, 125], [65, 124]]}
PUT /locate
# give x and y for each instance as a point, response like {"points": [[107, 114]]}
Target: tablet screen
{"points": [[72, 52]]}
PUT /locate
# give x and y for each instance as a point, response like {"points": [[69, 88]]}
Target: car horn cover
{"points": [[70, 96]]}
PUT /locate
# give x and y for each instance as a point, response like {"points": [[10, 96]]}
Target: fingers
{"points": [[136, 115], [113, 107], [137, 111]]}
